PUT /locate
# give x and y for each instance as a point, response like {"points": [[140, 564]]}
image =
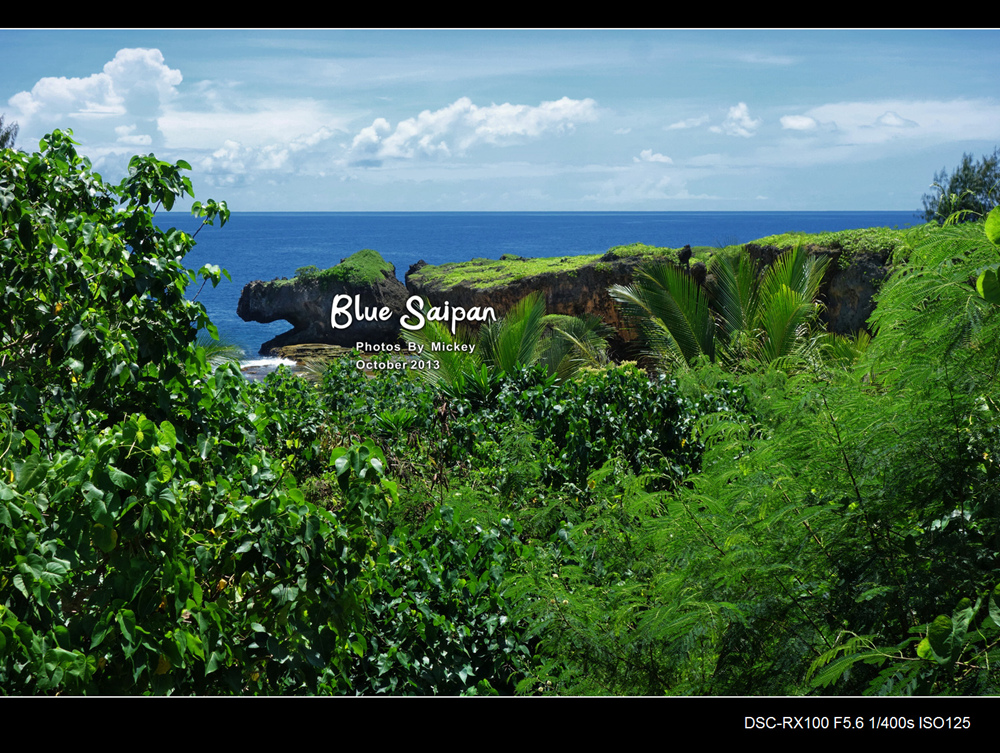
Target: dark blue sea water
{"points": [[265, 245]]}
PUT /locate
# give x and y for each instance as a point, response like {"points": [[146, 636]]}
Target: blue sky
{"points": [[516, 120]]}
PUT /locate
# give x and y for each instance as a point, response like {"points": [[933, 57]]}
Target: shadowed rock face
{"points": [[306, 304], [848, 292]]}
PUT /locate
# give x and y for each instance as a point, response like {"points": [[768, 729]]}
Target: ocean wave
{"points": [[258, 368]]}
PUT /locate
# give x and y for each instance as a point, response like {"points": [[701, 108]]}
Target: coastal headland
{"points": [[374, 305]]}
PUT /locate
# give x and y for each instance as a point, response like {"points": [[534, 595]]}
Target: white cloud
{"points": [[136, 82], [688, 123], [302, 155], [626, 190], [738, 122], [462, 125], [706, 160], [126, 136], [647, 155], [263, 122], [798, 123], [928, 121], [892, 120]]}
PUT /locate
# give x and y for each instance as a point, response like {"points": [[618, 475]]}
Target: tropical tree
{"points": [[152, 535], [746, 314], [7, 134], [968, 193]]}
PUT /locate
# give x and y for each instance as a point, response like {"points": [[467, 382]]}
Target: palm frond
{"points": [[575, 343], [446, 366], [736, 295], [218, 351], [672, 313], [514, 340]]}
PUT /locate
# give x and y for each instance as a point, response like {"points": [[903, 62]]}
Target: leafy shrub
{"points": [[614, 412], [153, 537], [438, 622]]}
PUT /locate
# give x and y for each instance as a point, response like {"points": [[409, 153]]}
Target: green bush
{"points": [[152, 536]]}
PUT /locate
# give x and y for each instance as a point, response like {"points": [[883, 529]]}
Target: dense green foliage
{"points": [[153, 535], [730, 527], [869, 240], [968, 193], [482, 274], [525, 336]]}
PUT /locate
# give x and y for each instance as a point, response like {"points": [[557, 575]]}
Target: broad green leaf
{"points": [[75, 336], [32, 437], [126, 622], [30, 473], [167, 436], [940, 634], [105, 538], [194, 645], [995, 605], [993, 226], [120, 479], [988, 285]]}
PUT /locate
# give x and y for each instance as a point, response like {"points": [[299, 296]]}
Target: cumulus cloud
{"points": [[462, 125], [798, 123], [234, 160], [738, 122], [647, 155], [136, 82]]}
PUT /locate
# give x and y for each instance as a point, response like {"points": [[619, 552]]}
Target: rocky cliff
{"points": [[306, 302], [576, 286], [571, 285]]}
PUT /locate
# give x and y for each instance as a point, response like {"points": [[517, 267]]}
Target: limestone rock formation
{"points": [[306, 301]]}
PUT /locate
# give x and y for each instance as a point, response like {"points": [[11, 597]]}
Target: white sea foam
{"points": [[258, 368], [271, 363]]}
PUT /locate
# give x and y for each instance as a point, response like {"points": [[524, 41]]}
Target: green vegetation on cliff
{"points": [[869, 240], [364, 267], [484, 274]]}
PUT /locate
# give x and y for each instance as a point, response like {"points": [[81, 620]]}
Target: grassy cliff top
{"points": [[487, 273], [861, 241], [364, 267]]}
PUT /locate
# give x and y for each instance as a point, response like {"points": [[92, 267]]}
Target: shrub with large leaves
{"points": [[96, 321], [152, 538]]}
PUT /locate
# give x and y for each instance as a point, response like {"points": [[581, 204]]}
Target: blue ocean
{"points": [[267, 245]]}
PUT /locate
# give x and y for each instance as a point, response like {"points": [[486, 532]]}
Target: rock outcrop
{"points": [[571, 285], [306, 302], [575, 286]]}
